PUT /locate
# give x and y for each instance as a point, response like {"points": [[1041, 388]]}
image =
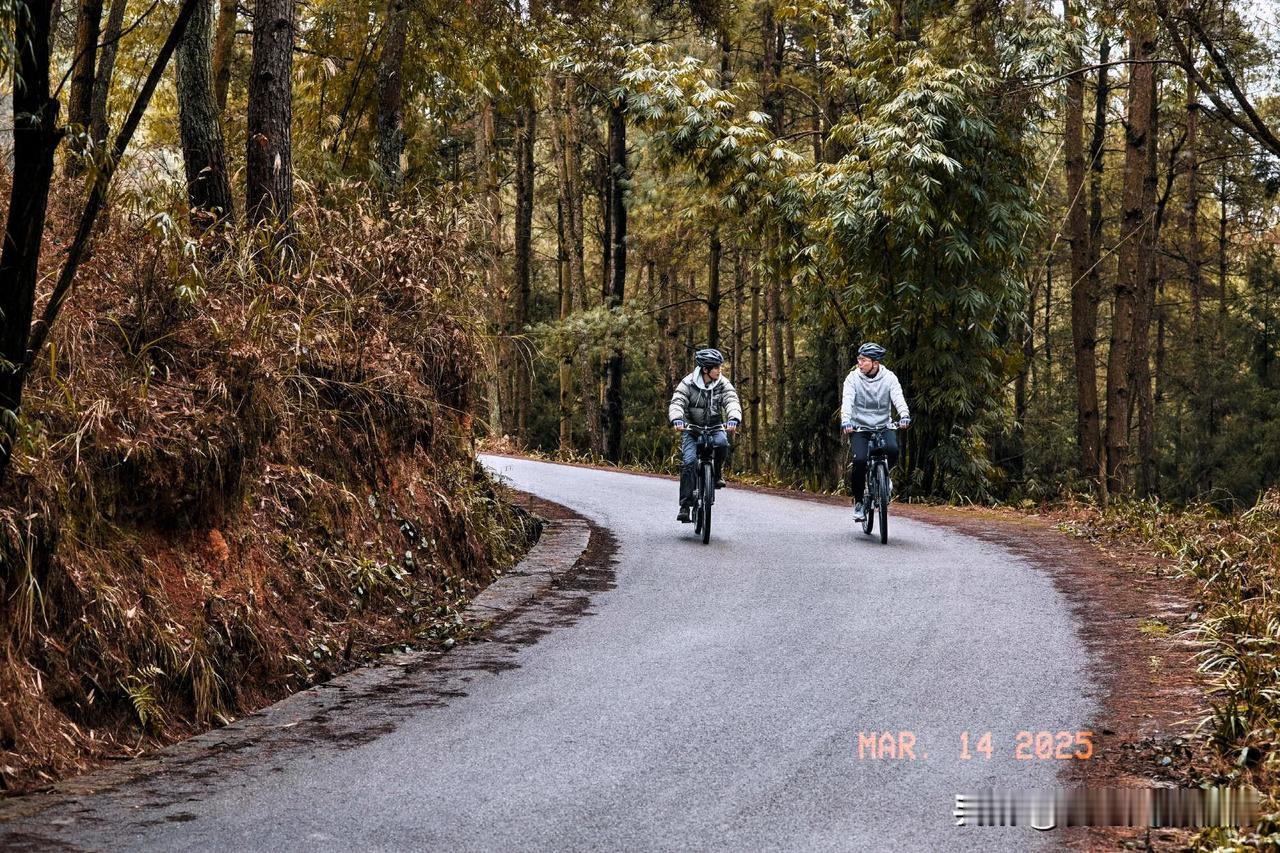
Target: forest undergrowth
{"points": [[245, 465]]}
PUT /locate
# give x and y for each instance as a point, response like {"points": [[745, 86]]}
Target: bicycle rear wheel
{"points": [[708, 497], [882, 487]]}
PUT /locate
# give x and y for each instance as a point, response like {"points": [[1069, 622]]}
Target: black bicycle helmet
{"points": [[875, 352], [708, 358]]}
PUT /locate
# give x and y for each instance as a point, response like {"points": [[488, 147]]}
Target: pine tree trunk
{"points": [[738, 287], [35, 139], [389, 144], [1084, 305], [80, 101], [1222, 242], [1140, 366], [713, 291], [1091, 453], [778, 368], [671, 330], [224, 44], [1191, 157], [487, 180], [1131, 280], [200, 123], [526, 137], [98, 118], [269, 146], [755, 368], [566, 360], [617, 197]]}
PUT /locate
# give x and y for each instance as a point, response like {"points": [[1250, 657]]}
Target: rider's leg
{"points": [[858, 471], [722, 452], [688, 463]]}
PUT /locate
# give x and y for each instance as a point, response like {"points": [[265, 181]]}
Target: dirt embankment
{"points": [[231, 482]]}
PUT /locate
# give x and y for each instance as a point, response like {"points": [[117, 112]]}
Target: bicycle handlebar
{"points": [[697, 428], [890, 425]]}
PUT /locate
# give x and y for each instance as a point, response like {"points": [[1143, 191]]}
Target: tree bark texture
{"points": [[204, 156], [618, 177], [1131, 278], [35, 139], [389, 141], [224, 45], [488, 183], [269, 154], [713, 290], [99, 127], [522, 292], [85, 58], [1084, 300], [754, 400]]}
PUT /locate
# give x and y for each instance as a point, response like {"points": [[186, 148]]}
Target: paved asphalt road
{"points": [[711, 697]]}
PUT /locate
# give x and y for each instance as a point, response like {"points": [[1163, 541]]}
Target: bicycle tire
{"points": [[708, 488], [868, 506], [882, 488]]}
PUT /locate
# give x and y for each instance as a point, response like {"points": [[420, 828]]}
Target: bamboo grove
{"points": [[1059, 218]]}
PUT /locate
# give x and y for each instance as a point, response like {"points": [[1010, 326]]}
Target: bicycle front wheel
{"points": [[882, 488], [869, 506], [708, 493]]}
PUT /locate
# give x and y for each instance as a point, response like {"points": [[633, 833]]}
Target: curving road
{"points": [[712, 698]]}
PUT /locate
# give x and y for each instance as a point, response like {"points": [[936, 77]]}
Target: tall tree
{"points": [[566, 143], [1094, 462], [80, 102], [522, 291], [1140, 377], [204, 156], [618, 180], [389, 144], [1084, 305], [1134, 245], [489, 182], [98, 118], [269, 143], [713, 289], [35, 139], [224, 43]]}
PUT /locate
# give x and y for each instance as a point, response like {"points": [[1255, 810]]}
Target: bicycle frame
{"points": [[704, 492], [873, 500]]}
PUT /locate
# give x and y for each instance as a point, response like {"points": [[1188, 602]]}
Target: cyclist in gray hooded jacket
{"points": [[869, 390], [704, 397]]}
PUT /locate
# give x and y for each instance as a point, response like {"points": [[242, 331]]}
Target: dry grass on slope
{"points": [[229, 485]]}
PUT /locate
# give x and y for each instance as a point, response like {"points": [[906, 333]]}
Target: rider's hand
{"points": [[846, 428], [677, 425], [904, 423], [731, 426]]}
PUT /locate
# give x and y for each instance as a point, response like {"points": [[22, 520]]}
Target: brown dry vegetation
{"points": [[1234, 562], [229, 485]]}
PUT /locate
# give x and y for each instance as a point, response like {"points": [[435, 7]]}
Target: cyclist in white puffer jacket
{"points": [[704, 397], [869, 391]]}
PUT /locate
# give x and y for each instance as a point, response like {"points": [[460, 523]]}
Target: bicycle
{"points": [[704, 486], [879, 486]]}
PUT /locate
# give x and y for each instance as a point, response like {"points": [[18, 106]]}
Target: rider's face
{"points": [[712, 374], [867, 365]]}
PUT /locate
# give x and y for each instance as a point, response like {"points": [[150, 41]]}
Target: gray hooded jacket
{"points": [[696, 402], [866, 399]]}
